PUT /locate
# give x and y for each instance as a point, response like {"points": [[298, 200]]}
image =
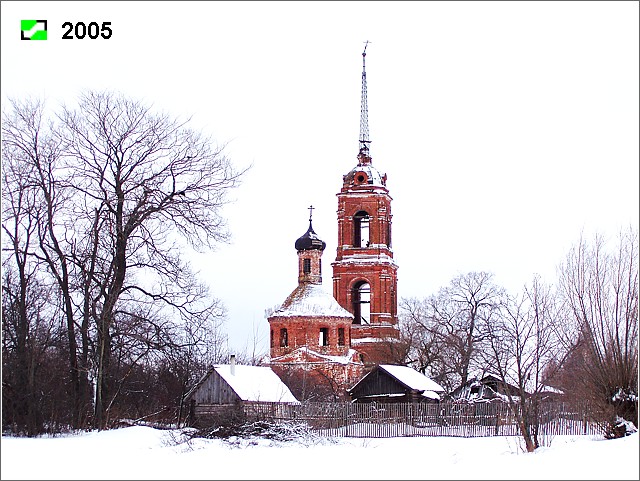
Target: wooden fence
{"points": [[407, 419]]}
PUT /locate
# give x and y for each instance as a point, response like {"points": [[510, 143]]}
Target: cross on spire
{"points": [[311, 208]]}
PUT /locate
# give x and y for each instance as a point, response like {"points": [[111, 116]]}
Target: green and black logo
{"points": [[33, 29]]}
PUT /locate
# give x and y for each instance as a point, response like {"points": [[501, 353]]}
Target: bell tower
{"points": [[364, 272]]}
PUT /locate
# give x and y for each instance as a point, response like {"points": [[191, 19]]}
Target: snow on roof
{"points": [[412, 378], [365, 340], [505, 397], [550, 389], [311, 300], [389, 395], [349, 358], [431, 395], [256, 383], [366, 259], [373, 174]]}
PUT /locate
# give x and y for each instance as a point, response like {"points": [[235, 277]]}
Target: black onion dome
{"points": [[310, 241]]}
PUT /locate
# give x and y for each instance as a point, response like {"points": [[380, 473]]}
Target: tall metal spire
{"points": [[363, 154]]}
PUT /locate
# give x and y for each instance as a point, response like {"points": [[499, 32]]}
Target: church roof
{"points": [[305, 354], [311, 300], [373, 176], [310, 241]]}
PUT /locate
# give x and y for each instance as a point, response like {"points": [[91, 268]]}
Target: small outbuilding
{"points": [[230, 391], [489, 388], [550, 393], [388, 383]]}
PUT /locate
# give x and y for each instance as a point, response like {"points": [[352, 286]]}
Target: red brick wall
{"points": [[312, 381], [378, 206], [315, 276], [373, 264], [382, 279], [305, 331]]}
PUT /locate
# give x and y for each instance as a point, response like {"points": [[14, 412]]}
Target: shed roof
{"points": [[251, 383], [408, 377], [412, 378], [256, 383]]}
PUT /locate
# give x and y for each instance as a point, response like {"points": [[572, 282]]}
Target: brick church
{"points": [[320, 345]]}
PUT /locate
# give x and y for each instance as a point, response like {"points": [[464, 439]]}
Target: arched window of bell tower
{"points": [[389, 235], [361, 296], [361, 229]]}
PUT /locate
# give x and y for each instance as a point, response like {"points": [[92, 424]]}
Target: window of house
{"points": [[324, 336], [306, 266], [271, 339], [361, 303], [341, 336], [284, 338], [361, 229]]}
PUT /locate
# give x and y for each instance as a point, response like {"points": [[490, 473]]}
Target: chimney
{"points": [[232, 362]]}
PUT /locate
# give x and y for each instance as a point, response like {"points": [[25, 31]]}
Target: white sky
{"points": [[506, 128]]}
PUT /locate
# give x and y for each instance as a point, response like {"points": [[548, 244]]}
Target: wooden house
{"points": [[550, 394], [230, 391], [394, 384], [489, 388]]}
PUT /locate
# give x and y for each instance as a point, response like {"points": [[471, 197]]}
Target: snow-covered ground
{"points": [[147, 453]]}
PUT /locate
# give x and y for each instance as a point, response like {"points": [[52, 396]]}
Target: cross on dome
{"points": [[310, 240]]}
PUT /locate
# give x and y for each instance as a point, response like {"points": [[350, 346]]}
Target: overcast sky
{"points": [[505, 128]]}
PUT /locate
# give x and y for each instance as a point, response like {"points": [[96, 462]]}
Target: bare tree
{"points": [[29, 338], [420, 335], [253, 353], [450, 324], [600, 287], [314, 383], [198, 344], [105, 203], [148, 177], [28, 199], [522, 346], [19, 228], [33, 171]]}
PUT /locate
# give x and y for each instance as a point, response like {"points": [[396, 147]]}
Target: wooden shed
{"points": [[231, 391], [389, 384], [489, 388]]}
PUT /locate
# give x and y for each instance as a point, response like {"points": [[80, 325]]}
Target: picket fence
{"points": [[412, 419]]}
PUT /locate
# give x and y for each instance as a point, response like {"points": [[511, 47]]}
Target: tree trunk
{"points": [[102, 385]]}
